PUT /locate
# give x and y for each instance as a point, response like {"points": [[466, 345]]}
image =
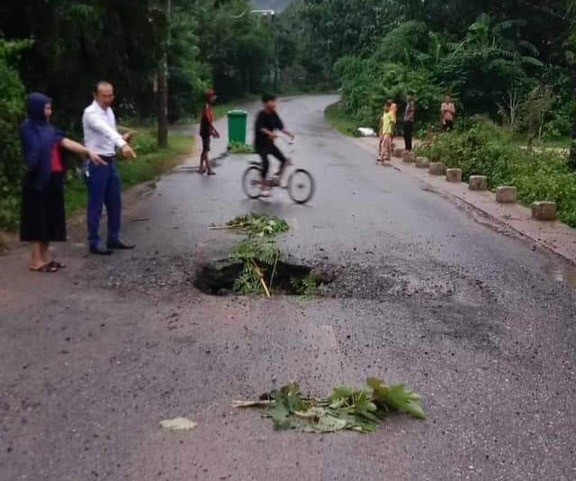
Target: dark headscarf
{"points": [[36, 105], [38, 139]]}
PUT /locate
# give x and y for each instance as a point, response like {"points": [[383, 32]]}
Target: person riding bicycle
{"points": [[268, 122]]}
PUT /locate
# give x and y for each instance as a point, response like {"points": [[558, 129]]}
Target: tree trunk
{"points": [[162, 112], [572, 156], [162, 107]]}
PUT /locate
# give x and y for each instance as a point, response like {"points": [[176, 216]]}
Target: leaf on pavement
{"points": [[397, 398], [327, 424]]}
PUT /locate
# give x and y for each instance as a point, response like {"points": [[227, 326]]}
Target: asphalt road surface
{"points": [[478, 321]]}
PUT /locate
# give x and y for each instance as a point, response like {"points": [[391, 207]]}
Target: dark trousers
{"points": [[448, 126], [408, 134], [104, 188], [264, 153]]}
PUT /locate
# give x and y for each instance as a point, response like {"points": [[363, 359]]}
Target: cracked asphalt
{"points": [[477, 320]]}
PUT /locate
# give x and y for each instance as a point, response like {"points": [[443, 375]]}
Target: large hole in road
{"points": [[217, 278]]}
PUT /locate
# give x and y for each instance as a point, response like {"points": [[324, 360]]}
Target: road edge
{"points": [[556, 237]]}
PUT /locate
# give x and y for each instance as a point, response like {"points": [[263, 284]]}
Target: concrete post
{"points": [[436, 168], [454, 175], [422, 162], [408, 157], [506, 195], [544, 210], [478, 182]]}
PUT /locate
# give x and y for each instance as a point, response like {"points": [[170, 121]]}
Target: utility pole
{"points": [[162, 109]]}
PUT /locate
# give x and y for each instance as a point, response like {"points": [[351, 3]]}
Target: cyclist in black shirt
{"points": [[267, 124]]}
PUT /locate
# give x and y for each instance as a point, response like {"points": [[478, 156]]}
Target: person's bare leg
{"points": [[36, 259], [387, 148], [209, 170], [46, 254], [202, 168]]}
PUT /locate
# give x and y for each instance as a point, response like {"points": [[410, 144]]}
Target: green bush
{"points": [[11, 114], [482, 148], [367, 84], [145, 142]]}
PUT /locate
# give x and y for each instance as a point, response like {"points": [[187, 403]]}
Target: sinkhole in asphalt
{"points": [[217, 278]]}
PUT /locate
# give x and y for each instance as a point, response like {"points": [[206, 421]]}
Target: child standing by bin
{"points": [[207, 131]]}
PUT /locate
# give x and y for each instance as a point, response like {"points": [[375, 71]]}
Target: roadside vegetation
{"points": [[512, 65], [341, 120], [482, 148], [240, 148]]}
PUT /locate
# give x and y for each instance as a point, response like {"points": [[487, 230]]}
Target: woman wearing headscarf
{"points": [[43, 217]]}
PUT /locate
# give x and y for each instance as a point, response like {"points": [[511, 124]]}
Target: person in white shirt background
{"points": [[104, 185]]}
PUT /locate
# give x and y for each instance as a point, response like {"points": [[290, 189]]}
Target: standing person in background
{"points": [[385, 111], [409, 116], [104, 186], [388, 128], [394, 112], [448, 114], [207, 131], [43, 216]]}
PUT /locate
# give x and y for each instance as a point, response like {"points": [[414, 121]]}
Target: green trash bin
{"points": [[237, 120]]}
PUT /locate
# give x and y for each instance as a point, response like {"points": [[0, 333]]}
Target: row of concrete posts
{"points": [[505, 194]]}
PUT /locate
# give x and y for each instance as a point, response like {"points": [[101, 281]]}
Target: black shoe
{"points": [[119, 245], [100, 251]]}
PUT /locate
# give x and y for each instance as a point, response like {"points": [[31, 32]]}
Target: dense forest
{"points": [[511, 60]]}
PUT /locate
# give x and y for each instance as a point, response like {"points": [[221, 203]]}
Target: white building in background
{"points": [[264, 13]]}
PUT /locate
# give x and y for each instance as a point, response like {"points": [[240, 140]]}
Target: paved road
{"points": [[478, 321]]}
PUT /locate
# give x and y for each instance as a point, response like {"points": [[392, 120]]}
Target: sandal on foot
{"points": [[210, 172], [57, 265], [46, 268]]}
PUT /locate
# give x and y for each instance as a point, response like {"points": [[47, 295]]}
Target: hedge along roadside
{"points": [[483, 148], [12, 111]]}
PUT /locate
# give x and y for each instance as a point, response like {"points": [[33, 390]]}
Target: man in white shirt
{"points": [[104, 186]]}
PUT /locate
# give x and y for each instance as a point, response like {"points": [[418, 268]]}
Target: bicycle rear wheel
{"points": [[252, 182], [301, 186]]}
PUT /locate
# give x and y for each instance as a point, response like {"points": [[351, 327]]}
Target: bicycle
{"points": [[300, 185]]}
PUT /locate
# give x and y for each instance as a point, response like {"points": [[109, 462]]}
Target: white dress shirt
{"points": [[100, 133]]}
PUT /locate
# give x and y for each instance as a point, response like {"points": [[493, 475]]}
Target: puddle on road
{"points": [[563, 274]]}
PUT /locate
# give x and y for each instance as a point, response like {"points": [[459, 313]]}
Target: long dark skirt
{"points": [[43, 216]]}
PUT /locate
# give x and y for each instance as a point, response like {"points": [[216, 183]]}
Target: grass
{"points": [[340, 120], [145, 168]]}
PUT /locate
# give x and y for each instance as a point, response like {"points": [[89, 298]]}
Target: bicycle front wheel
{"points": [[252, 182], [301, 186]]}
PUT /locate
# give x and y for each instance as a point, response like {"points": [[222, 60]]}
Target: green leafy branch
{"points": [[260, 258], [257, 225], [360, 410]]}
